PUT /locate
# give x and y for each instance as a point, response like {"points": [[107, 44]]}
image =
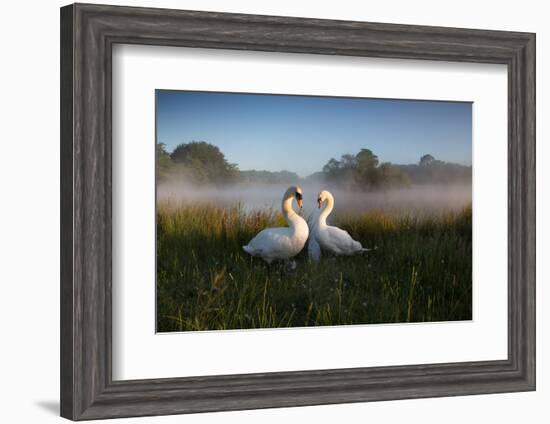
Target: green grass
{"points": [[421, 271]]}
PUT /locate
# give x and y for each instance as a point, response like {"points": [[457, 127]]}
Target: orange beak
{"points": [[300, 203]]}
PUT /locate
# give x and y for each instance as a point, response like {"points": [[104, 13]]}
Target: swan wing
{"points": [[340, 242], [271, 243]]}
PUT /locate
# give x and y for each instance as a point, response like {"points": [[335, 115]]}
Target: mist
{"points": [[416, 199]]}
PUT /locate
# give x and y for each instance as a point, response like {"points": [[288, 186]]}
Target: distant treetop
{"points": [[204, 161], [426, 160]]}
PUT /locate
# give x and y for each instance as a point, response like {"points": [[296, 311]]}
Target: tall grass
{"points": [[421, 271]]}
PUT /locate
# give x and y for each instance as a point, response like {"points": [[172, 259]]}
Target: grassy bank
{"points": [[421, 271]]}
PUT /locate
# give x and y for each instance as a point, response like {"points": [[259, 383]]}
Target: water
{"points": [[415, 199]]}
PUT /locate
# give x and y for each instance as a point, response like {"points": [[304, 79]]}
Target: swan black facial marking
{"points": [[298, 196]]}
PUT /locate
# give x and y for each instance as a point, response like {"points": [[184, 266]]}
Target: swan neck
{"points": [[327, 209], [288, 212]]}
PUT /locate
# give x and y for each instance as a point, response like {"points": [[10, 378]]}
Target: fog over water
{"points": [[419, 199]]}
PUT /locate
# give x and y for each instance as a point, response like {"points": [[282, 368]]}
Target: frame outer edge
{"points": [[87, 32], [529, 225], [67, 382], [522, 213]]}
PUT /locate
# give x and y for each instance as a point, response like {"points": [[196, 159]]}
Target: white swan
{"points": [[283, 242], [332, 239]]}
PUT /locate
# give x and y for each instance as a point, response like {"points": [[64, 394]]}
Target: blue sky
{"points": [[301, 133]]}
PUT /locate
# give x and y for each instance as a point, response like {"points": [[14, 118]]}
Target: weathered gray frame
{"points": [[88, 33]]}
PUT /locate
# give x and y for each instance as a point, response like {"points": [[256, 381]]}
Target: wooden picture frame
{"points": [[88, 33]]}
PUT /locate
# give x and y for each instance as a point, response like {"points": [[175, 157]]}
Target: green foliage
{"points": [[365, 159], [268, 177], [204, 161], [197, 162], [390, 176], [426, 160], [164, 162], [430, 171], [421, 271], [363, 171]]}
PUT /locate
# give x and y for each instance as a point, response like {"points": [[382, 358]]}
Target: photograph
{"points": [[301, 211]]}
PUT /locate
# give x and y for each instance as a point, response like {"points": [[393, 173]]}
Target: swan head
{"points": [[322, 196], [295, 192]]}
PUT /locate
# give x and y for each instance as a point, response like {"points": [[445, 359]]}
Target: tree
{"points": [[426, 160], [164, 162], [333, 170], [365, 159], [391, 176], [268, 177], [331, 166], [204, 161], [366, 174], [358, 170]]}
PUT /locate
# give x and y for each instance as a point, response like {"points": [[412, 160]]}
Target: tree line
{"points": [[204, 163], [364, 170]]}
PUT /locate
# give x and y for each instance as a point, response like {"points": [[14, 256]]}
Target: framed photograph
{"points": [[263, 211]]}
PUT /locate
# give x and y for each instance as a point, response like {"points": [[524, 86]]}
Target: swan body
{"points": [[329, 238], [313, 248], [282, 242]]}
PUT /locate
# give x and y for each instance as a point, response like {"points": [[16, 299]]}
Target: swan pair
{"points": [[286, 242]]}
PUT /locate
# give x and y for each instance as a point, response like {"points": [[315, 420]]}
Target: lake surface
{"points": [[416, 199]]}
